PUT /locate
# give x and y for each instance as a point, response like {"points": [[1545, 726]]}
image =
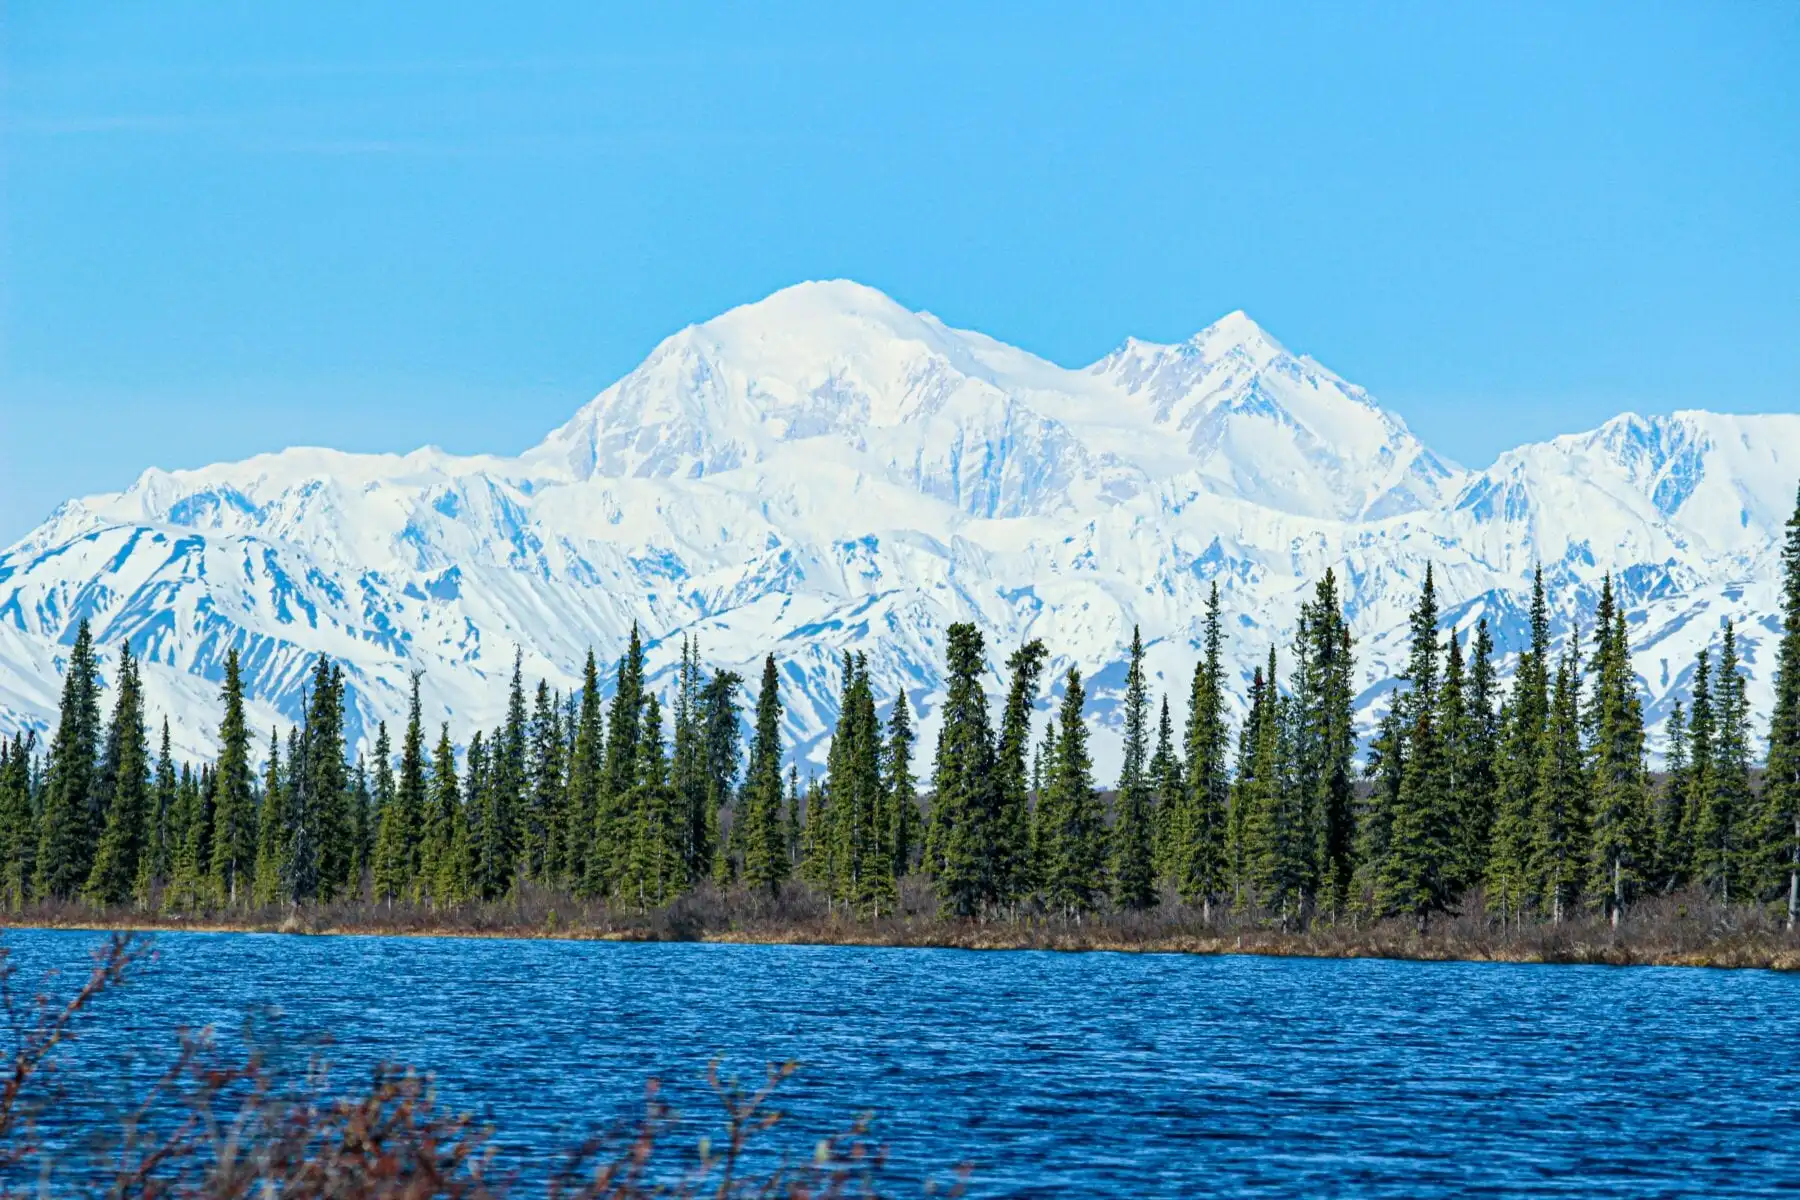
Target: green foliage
{"points": [[1133, 872], [1720, 857], [965, 812], [70, 821], [1197, 829], [1524, 723], [1776, 860], [763, 839], [125, 782], [232, 851], [1074, 827], [1559, 816], [1011, 850]]}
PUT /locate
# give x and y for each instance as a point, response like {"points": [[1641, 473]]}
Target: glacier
{"points": [[826, 471]]}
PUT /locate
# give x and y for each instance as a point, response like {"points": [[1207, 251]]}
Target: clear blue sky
{"points": [[229, 228]]}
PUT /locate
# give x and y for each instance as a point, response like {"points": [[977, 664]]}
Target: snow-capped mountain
{"points": [[825, 471]]}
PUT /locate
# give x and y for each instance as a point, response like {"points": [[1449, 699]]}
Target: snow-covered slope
{"points": [[825, 470]]}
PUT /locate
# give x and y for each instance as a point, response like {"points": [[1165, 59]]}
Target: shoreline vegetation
{"points": [[1482, 818], [1684, 930]]}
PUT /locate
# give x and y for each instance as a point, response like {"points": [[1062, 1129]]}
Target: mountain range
{"points": [[824, 470]]}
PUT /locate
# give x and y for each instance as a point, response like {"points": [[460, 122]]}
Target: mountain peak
{"points": [[1237, 331]]}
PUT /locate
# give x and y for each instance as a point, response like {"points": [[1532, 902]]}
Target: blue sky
{"points": [[230, 228]]}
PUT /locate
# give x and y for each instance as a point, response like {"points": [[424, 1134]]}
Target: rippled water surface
{"points": [[1138, 1075]]}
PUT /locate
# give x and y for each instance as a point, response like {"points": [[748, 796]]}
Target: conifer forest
{"points": [[1527, 801]]}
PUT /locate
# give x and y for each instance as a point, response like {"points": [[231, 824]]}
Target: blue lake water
{"points": [[1137, 1075]]}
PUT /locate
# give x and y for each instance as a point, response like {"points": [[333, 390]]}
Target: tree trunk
{"points": [[1618, 893]]}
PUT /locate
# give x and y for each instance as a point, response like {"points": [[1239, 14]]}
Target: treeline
{"points": [[1537, 801]]}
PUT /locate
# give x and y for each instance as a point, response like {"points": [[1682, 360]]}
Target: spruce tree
{"points": [[495, 846], [1778, 821], [721, 736], [610, 845], [964, 779], [1477, 762], [1524, 724], [318, 853], [1726, 805], [902, 789], [1560, 849], [1278, 841], [231, 854], [68, 828], [1133, 873], [1198, 831], [1012, 825], [1324, 745], [160, 831], [1674, 849], [1702, 762], [687, 767], [765, 857], [438, 870], [542, 818], [18, 823], [1169, 787], [267, 878], [1414, 878], [126, 783], [1622, 834], [1246, 791], [1074, 824], [586, 768], [655, 870]]}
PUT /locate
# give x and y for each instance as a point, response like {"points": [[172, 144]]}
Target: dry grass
{"points": [[1682, 930]]}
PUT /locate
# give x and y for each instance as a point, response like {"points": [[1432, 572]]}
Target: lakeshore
{"points": [[1667, 933]]}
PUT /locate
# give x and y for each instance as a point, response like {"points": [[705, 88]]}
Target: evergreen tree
{"points": [[1726, 805], [391, 868], [1246, 791], [1278, 842], [441, 877], [1324, 746], [1524, 724], [160, 832], [231, 854], [765, 857], [1169, 787], [618, 784], [721, 736], [655, 871], [18, 823], [901, 788], [1477, 777], [318, 855], [1414, 877], [1198, 829], [586, 770], [1012, 826], [266, 879], [965, 810], [1134, 883], [495, 843], [542, 818], [1702, 763], [1778, 823], [69, 825], [1559, 825], [1622, 839], [125, 782], [1074, 825], [1674, 845], [687, 768]]}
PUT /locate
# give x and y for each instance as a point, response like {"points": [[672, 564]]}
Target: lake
{"points": [[1117, 1074]]}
